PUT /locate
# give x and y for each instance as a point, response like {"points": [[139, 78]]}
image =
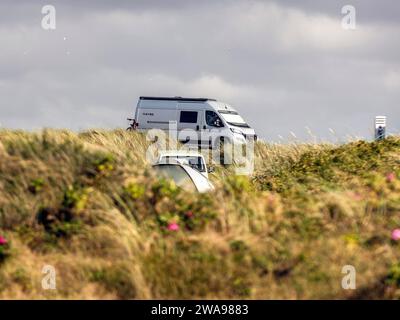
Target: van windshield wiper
{"points": [[241, 125], [227, 112]]}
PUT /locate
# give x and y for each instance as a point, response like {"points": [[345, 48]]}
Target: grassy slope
{"points": [[88, 205]]}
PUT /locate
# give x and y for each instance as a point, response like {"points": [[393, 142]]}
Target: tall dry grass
{"points": [[89, 205]]}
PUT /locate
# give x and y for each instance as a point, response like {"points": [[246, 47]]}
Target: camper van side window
{"points": [[188, 117], [213, 120]]}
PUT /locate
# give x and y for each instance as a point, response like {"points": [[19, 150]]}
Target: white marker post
{"points": [[380, 127]]}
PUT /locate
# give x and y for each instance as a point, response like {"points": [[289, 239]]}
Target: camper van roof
{"points": [[176, 99]]}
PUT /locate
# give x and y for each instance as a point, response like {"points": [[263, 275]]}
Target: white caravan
{"points": [[201, 121]]}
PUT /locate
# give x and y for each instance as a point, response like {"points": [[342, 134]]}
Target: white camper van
{"points": [[197, 120]]}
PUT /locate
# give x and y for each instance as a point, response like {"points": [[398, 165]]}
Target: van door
{"points": [[212, 126], [190, 121]]}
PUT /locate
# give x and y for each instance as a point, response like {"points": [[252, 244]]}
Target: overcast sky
{"points": [[284, 65]]}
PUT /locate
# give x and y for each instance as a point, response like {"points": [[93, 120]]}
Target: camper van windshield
{"points": [[192, 161], [233, 118]]}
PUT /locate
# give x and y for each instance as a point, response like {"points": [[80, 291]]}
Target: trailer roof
{"points": [[176, 99]]}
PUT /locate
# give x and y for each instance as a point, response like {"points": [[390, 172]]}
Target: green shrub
{"points": [[118, 279], [36, 185]]}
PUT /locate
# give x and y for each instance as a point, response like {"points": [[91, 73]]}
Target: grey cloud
{"points": [[285, 65]]}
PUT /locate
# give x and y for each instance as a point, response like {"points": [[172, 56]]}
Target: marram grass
{"points": [[89, 205]]}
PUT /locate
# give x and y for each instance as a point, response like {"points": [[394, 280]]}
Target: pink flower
{"points": [[173, 226], [396, 234], [3, 241], [390, 177]]}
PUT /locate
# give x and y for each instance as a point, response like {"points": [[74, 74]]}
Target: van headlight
{"points": [[237, 132]]}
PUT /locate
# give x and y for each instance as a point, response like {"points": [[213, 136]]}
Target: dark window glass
{"points": [[213, 120], [188, 117]]}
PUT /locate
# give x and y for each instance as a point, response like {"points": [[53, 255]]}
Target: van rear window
{"points": [[188, 117]]}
